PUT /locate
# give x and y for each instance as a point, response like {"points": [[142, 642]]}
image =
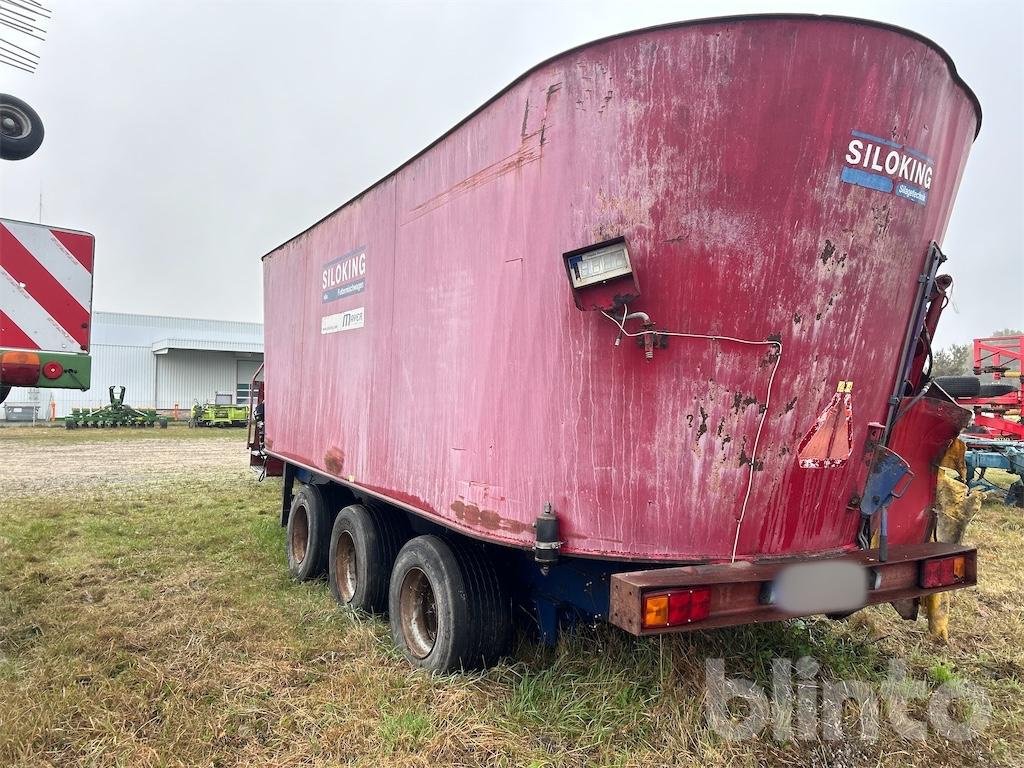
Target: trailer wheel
{"points": [[1015, 494], [308, 536], [447, 608], [21, 129], [364, 545], [959, 386]]}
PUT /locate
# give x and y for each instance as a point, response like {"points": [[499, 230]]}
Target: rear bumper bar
{"points": [[741, 592]]}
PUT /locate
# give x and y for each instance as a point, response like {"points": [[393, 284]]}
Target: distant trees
{"points": [[954, 360]]}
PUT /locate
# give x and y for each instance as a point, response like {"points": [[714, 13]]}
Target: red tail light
{"points": [[672, 609], [943, 571], [19, 369], [53, 370]]}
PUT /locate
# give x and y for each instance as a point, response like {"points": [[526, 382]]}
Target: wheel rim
{"points": [[418, 613], [14, 124], [345, 567], [300, 534]]}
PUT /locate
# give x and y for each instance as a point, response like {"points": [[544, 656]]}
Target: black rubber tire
{"points": [[308, 519], [472, 616], [959, 386], [5, 390], [996, 390], [27, 123], [1015, 495], [490, 602], [375, 537]]}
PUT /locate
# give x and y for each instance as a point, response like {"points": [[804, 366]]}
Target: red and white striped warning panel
{"points": [[45, 287]]}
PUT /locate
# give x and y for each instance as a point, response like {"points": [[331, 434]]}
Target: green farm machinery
{"points": [[117, 414], [219, 415]]}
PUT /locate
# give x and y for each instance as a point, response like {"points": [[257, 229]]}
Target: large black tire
{"points": [[995, 390], [1015, 495], [447, 608], [959, 386], [491, 603], [21, 129], [308, 534], [364, 545]]}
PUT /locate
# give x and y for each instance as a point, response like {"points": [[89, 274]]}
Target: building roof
{"points": [[161, 333]]}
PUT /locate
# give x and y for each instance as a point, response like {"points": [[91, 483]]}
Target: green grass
{"points": [[154, 624]]}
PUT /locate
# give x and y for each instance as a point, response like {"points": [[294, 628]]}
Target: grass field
{"points": [[146, 619]]}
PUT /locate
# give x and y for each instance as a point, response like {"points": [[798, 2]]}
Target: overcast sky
{"points": [[191, 137]]}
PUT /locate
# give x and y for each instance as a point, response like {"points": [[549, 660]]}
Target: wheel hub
{"points": [[14, 124], [418, 613], [345, 567], [300, 534]]}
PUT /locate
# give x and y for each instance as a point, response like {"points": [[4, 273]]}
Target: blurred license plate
{"points": [[829, 587]]}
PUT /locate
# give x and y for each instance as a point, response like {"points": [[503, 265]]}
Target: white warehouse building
{"points": [[167, 363]]}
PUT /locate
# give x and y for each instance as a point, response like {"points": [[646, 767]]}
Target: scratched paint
{"points": [[476, 391]]}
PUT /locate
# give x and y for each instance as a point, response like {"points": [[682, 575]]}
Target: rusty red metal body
{"points": [[778, 182]]}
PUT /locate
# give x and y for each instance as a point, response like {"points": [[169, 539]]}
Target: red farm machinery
{"points": [[641, 340], [995, 437], [45, 272]]}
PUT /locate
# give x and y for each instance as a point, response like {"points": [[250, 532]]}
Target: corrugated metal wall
{"points": [[123, 354], [112, 364], [196, 375]]}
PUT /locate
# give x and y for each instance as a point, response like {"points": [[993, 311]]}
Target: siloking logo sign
{"points": [[344, 276], [885, 166]]}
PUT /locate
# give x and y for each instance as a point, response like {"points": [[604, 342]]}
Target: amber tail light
{"points": [[19, 369], [676, 607]]}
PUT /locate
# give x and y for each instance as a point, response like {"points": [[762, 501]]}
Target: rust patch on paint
{"points": [[334, 461], [471, 514], [882, 217], [703, 423], [827, 252], [755, 463], [773, 351]]}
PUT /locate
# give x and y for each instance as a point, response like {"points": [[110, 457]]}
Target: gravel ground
{"points": [[75, 460]]}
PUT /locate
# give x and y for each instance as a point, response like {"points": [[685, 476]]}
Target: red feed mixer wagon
{"points": [[641, 340]]}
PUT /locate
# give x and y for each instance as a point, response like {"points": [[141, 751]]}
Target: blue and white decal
{"points": [[885, 166], [344, 276]]}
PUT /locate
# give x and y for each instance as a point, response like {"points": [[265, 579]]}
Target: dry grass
{"points": [[152, 623]]}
